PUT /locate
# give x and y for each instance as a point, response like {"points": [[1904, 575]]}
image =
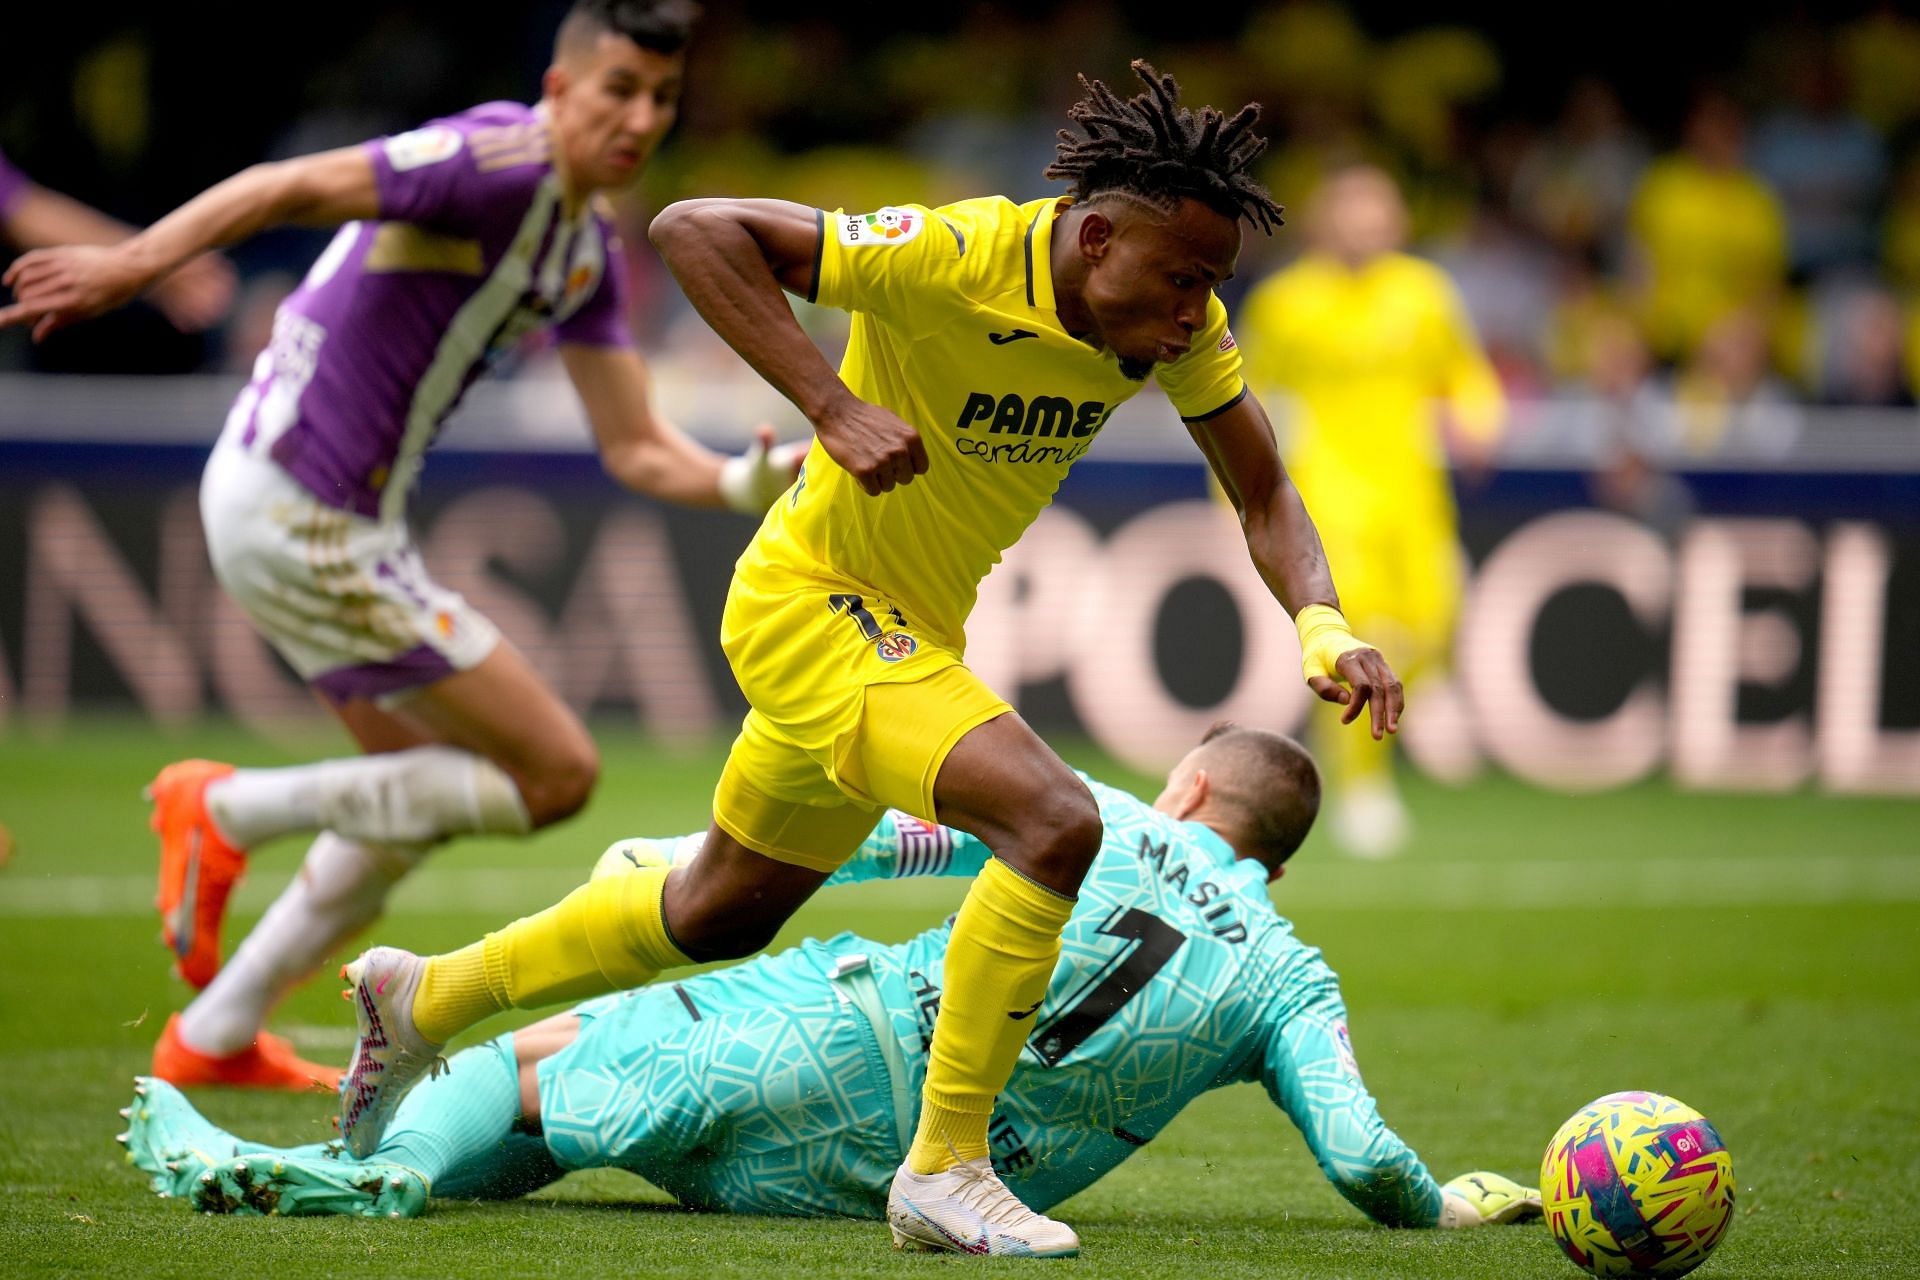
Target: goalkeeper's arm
{"points": [[1311, 1072], [900, 846]]}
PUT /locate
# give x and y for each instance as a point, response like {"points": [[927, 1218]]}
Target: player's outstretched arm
{"points": [[56, 287], [192, 298], [1238, 444], [899, 847], [733, 258], [648, 454], [1310, 1071]]}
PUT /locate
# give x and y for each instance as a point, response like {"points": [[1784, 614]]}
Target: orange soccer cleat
{"points": [[268, 1063], [198, 868]]}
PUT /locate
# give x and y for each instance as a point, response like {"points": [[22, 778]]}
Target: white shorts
{"points": [[344, 599]]}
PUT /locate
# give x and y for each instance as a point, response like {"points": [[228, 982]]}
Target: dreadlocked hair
{"points": [[1151, 149]]}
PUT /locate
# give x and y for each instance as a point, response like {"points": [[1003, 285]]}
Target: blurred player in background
{"points": [[990, 343], [788, 1085], [459, 238], [1375, 352], [192, 298]]}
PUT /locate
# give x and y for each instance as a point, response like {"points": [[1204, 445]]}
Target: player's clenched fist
{"points": [[875, 447]]}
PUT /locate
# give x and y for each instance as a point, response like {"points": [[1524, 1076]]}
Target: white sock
{"points": [[418, 796], [339, 891]]}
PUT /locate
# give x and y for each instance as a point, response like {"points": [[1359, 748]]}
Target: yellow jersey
{"points": [[1365, 357], [954, 330], [1714, 241]]}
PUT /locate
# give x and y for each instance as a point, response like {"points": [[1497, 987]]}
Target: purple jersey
{"points": [[473, 249], [13, 185]]}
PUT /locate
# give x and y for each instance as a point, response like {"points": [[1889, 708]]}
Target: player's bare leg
{"points": [[491, 749], [1002, 784], [496, 731], [730, 901]]}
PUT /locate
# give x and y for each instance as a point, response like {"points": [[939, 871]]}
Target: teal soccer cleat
{"points": [[310, 1186], [168, 1140]]}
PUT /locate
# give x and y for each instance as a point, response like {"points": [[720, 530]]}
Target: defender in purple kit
{"points": [[455, 240]]}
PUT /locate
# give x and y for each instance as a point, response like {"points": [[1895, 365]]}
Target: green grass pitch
{"points": [[1758, 957]]}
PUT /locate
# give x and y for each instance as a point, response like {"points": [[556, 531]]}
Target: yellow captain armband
{"points": [[1324, 636]]}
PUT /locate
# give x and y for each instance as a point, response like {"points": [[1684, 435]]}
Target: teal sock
{"points": [[520, 1166], [462, 1117]]}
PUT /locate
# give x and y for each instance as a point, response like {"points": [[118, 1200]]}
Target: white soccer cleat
{"points": [[389, 1054], [967, 1209]]}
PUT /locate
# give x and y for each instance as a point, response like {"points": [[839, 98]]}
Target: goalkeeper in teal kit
{"points": [[788, 1085]]}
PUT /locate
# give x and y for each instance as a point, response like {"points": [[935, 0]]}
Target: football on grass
{"points": [[1637, 1184]]}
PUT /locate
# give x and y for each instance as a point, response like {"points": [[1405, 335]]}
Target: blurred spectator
{"points": [[1309, 50], [1617, 416], [1364, 347], [1550, 230], [1865, 359], [1880, 52], [1610, 398], [1421, 81], [1726, 401], [1507, 282], [1900, 245], [1827, 165], [1577, 183], [1710, 236]]}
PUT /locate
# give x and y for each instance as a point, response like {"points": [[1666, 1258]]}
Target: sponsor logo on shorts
{"points": [[895, 645]]}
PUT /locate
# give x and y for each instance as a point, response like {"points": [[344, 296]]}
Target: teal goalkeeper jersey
{"points": [[1176, 976]]}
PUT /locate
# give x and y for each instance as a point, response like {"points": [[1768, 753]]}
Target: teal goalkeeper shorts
{"points": [[756, 1089]]}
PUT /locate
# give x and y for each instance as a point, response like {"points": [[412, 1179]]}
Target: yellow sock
{"points": [[609, 934], [457, 991], [1002, 952]]}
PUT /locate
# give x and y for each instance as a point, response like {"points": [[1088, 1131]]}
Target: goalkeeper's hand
{"points": [[1342, 668], [1479, 1199], [750, 482]]}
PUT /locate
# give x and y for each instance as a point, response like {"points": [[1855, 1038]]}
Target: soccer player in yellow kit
{"points": [[990, 343], [1369, 343]]}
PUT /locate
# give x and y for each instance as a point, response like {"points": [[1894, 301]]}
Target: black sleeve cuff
{"points": [[1214, 413], [819, 252]]}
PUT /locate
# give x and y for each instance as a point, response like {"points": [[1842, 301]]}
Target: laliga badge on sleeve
{"points": [[423, 147], [888, 226], [1343, 1046]]}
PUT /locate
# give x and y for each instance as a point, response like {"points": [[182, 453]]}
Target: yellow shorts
{"points": [[852, 713]]}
